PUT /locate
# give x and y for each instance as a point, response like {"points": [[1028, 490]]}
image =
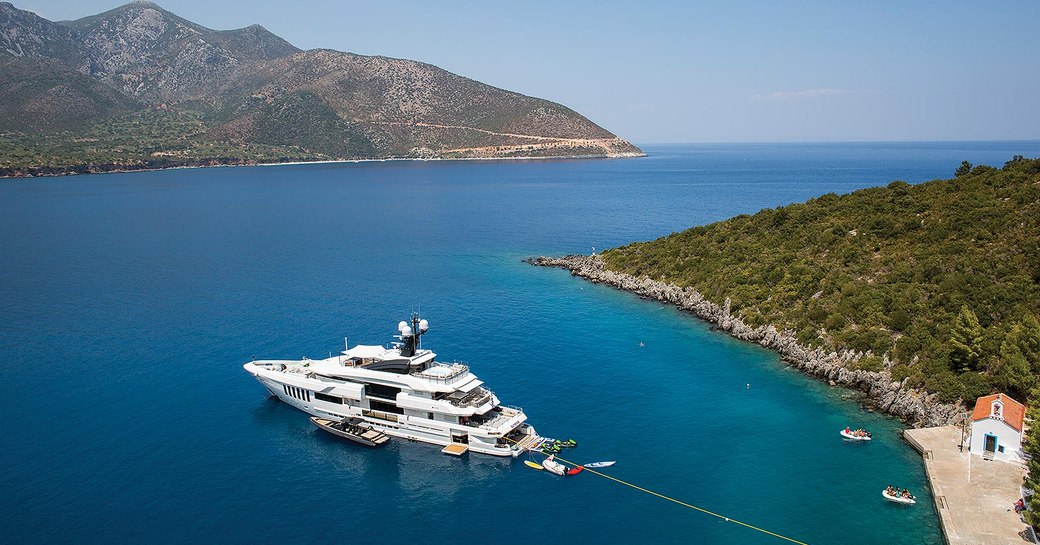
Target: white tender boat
{"points": [[552, 466], [851, 436], [898, 498], [401, 391]]}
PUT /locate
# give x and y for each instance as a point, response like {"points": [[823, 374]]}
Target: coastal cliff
{"points": [[897, 398]]}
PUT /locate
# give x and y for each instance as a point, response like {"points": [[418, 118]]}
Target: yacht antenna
{"points": [[415, 328], [410, 334]]}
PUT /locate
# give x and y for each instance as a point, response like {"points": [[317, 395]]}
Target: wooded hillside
{"points": [[940, 282]]}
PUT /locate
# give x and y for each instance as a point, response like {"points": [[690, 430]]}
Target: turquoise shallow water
{"points": [[129, 301]]}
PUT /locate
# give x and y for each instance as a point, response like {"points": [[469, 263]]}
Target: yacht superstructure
{"points": [[403, 392]]}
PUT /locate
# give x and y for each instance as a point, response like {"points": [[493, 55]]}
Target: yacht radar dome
{"points": [[424, 325], [401, 325]]}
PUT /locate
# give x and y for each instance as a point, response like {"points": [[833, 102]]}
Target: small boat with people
{"points": [[354, 429], [893, 494], [858, 434]]}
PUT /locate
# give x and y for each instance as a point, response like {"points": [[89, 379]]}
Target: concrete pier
{"points": [[973, 496]]}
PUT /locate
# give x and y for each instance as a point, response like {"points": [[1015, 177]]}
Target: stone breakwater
{"points": [[915, 406]]}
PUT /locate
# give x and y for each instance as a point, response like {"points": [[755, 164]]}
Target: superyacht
{"points": [[403, 392]]}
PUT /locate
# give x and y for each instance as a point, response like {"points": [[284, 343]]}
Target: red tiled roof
{"points": [[1014, 412]]}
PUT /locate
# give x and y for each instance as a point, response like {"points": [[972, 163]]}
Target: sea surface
{"points": [[129, 302]]}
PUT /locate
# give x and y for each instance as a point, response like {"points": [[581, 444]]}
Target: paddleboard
{"points": [[534, 465], [600, 464]]}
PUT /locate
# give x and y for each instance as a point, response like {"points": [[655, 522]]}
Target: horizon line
{"points": [[921, 141]]}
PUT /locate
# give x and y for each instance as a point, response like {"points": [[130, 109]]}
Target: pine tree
{"points": [[966, 341], [1031, 446], [1029, 342], [1011, 370]]}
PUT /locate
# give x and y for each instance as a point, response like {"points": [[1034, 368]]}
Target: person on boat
{"points": [[890, 491], [906, 494], [848, 431]]}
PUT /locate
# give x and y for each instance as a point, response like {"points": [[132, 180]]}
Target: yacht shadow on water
{"points": [[272, 411]]}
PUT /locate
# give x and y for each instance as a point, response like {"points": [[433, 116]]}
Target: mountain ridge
{"points": [[249, 90]]}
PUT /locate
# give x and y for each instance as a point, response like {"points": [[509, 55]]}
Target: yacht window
{"points": [[385, 392], [385, 407], [298, 393], [328, 399]]}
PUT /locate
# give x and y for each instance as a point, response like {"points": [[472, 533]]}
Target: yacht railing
{"points": [[477, 397], [512, 414], [455, 370]]}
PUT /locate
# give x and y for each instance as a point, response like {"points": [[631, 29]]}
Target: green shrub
{"points": [[869, 363], [899, 320], [900, 372], [808, 336], [835, 322]]}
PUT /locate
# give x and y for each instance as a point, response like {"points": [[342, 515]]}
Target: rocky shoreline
{"points": [[916, 407]]}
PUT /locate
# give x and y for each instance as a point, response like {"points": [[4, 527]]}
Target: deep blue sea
{"points": [[128, 303]]}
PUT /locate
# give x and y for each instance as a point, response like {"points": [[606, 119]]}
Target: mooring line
{"points": [[680, 502]]}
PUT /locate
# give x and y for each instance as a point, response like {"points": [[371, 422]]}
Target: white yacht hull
{"points": [[408, 427]]}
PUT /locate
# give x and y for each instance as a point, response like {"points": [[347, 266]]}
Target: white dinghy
{"points": [[552, 466], [855, 435], [898, 498]]}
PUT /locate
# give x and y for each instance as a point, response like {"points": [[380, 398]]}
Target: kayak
{"points": [[552, 466], [898, 499], [535, 465], [852, 437], [574, 470], [601, 464]]}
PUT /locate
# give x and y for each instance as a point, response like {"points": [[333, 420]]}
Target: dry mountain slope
{"points": [[408, 108], [253, 95], [149, 53]]}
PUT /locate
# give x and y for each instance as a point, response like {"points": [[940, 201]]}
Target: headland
{"points": [[915, 406]]}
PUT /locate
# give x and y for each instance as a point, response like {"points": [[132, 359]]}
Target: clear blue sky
{"points": [[726, 71]]}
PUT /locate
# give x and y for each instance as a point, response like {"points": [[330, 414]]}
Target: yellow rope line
{"points": [[680, 502]]}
